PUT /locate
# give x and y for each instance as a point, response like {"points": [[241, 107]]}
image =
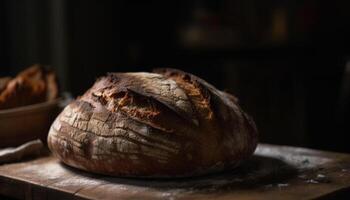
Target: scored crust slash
{"points": [[167, 123]]}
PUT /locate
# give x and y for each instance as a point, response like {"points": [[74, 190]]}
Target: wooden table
{"points": [[274, 172]]}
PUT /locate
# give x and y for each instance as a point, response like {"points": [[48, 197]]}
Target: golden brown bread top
{"points": [[168, 123], [33, 85]]}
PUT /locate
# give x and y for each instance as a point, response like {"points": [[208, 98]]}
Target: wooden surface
{"points": [[275, 172], [26, 123]]}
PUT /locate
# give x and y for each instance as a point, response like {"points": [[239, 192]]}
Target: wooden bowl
{"points": [[22, 124]]}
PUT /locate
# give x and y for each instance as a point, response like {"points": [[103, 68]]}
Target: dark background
{"points": [[287, 61]]}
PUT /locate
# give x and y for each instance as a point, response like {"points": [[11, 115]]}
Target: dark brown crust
{"points": [[228, 121], [33, 85], [168, 123]]}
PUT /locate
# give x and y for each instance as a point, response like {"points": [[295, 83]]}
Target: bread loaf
{"points": [[33, 85], [163, 124]]}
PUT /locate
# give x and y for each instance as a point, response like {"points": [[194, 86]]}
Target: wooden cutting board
{"points": [[274, 172]]}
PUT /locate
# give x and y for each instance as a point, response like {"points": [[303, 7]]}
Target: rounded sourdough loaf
{"points": [[163, 124]]}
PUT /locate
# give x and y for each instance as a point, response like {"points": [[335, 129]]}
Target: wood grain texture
{"points": [[164, 124], [274, 172]]}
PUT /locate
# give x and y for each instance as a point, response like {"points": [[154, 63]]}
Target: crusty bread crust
{"points": [[33, 85], [163, 124]]}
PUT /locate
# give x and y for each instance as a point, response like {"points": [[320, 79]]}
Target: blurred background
{"points": [[287, 61]]}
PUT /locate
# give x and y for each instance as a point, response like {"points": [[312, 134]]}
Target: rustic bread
{"points": [[33, 85], [163, 124]]}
